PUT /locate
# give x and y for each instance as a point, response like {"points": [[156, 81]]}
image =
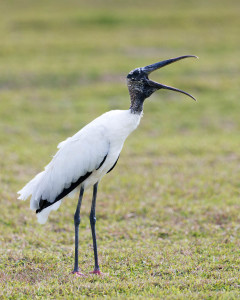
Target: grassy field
{"points": [[168, 215]]}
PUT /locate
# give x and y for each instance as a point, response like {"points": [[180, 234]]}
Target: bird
{"points": [[83, 159]]}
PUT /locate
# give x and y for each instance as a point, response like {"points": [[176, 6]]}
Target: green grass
{"points": [[168, 215]]}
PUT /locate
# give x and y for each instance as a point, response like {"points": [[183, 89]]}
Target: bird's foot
{"points": [[97, 272], [78, 274]]}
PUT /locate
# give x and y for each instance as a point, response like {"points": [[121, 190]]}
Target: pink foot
{"points": [[97, 272], [78, 274]]}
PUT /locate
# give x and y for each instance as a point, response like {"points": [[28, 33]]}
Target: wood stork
{"points": [[83, 159]]}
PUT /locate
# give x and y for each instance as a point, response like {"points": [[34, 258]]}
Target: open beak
{"points": [[149, 69]]}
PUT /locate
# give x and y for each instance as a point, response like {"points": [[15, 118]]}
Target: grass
{"points": [[168, 215]]}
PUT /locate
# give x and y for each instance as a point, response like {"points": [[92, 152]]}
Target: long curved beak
{"points": [[149, 69]]}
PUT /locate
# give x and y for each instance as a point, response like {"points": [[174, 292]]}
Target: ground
{"points": [[168, 222]]}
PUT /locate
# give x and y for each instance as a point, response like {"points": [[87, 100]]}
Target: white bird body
{"points": [[79, 155]]}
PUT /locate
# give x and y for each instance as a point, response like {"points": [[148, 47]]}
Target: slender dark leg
{"points": [[93, 222], [77, 220]]}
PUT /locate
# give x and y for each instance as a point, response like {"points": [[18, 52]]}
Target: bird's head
{"points": [[141, 87]]}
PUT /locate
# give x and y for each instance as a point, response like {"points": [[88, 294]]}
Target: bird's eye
{"points": [[133, 74]]}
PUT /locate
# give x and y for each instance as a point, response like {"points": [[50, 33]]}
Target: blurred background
{"points": [[62, 64]]}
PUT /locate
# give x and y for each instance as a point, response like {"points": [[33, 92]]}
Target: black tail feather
{"points": [[43, 203]]}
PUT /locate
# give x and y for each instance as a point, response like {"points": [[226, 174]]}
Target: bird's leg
{"points": [[93, 222], [77, 220]]}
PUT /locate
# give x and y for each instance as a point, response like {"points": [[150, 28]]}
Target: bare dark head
{"points": [[141, 87]]}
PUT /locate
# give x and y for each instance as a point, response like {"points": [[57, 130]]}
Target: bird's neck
{"points": [[137, 100]]}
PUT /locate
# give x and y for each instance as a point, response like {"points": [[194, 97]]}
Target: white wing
{"points": [[76, 156]]}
